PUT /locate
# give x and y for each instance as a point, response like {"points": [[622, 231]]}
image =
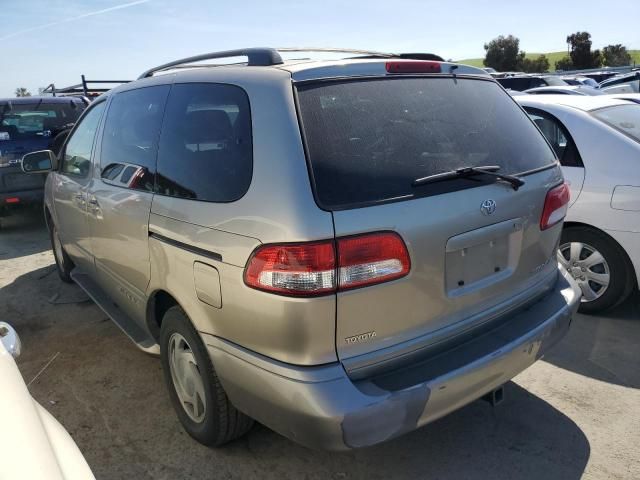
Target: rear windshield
{"points": [[367, 140], [624, 118], [23, 121], [555, 82]]}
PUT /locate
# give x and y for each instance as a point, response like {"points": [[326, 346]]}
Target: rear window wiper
{"points": [[466, 172]]}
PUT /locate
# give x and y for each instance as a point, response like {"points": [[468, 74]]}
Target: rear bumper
{"points": [[321, 407]]}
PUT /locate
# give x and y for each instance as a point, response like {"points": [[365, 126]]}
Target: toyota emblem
{"points": [[488, 207]]}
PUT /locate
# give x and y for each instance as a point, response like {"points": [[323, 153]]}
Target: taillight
{"points": [[368, 259], [310, 269], [296, 269], [555, 206], [418, 66]]}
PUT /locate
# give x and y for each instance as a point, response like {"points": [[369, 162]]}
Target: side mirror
{"points": [[10, 340], [38, 162]]}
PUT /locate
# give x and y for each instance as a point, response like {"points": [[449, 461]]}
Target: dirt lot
{"points": [[575, 414]]}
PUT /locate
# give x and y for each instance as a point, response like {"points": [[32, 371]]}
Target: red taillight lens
{"points": [[368, 259], [301, 269], [555, 206], [310, 269], [12, 200], [418, 66]]}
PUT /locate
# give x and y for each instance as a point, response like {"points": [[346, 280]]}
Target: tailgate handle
{"points": [[484, 235]]}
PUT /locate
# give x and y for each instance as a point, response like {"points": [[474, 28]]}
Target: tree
{"points": [[580, 51], [564, 63], [22, 92], [503, 53], [538, 65], [615, 56]]}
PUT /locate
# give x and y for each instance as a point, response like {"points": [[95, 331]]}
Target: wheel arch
{"points": [[157, 305], [48, 218], [631, 269], [158, 302]]}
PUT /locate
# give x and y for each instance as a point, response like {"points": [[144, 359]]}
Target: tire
{"points": [[214, 421], [64, 265], [586, 242]]}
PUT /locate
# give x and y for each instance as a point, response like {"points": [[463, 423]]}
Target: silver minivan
{"points": [[343, 250]]}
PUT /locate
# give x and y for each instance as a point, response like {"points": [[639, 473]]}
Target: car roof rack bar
{"points": [[271, 56], [255, 56]]}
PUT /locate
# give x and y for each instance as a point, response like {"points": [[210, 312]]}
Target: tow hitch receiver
{"points": [[495, 397]]}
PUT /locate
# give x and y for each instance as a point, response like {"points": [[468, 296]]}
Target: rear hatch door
{"points": [[475, 244]]}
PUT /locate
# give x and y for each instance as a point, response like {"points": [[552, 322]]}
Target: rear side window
{"points": [[205, 146], [558, 136], [131, 134], [368, 140]]}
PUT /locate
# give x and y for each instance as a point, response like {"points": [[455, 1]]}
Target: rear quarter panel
{"points": [[610, 159]]}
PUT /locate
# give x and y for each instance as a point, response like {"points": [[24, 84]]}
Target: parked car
{"points": [[526, 82], [284, 212], [599, 76], [32, 442], [581, 81], [597, 140], [564, 90], [632, 97], [30, 124], [629, 80]]}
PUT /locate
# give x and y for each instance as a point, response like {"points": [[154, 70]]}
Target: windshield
{"points": [[624, 118], [24, 121], [367, 140]]}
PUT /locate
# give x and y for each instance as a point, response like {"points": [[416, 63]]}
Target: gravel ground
{"points": [[575, 414]]}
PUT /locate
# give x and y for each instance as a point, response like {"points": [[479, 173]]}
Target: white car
{"points": [[597, 140], [564, 90], [33, 445], [632, 97]]}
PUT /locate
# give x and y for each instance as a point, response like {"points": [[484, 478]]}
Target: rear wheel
{"points": [[598, 264], [64, 264], [195, 390]]}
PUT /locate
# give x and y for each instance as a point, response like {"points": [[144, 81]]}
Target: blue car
{"points": [[30, 124]]}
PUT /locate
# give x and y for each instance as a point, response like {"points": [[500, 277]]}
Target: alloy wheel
{"points": [[588, 267]]}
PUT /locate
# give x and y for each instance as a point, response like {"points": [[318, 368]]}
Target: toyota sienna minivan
{"points": [[343, 250]]}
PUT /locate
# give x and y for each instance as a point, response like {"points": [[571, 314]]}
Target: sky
{"points": [[55, 41]]}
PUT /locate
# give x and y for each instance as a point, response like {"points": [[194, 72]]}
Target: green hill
{"points": [[552, 56]]}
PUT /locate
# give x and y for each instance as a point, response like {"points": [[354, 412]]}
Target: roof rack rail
{"points": [[255, 56], [372, 54], [271, 56], [81, 89]]}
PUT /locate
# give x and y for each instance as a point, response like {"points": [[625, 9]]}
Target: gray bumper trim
{"points": [[321, 407]]}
